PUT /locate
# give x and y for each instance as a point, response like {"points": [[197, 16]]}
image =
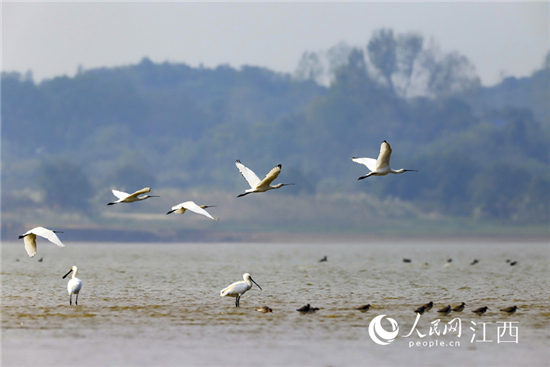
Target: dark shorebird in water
{"points": [[41, 259], [307, 309], [406, 260], [510, 310], [474, 262], [428, 306], [459, 308], [445, 310], [364, 308], [480, 311], [420, 310], [513, 263], [264, 309], [323, 259]]}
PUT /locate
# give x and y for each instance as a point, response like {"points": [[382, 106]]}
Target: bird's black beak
{"points": [[64, 276], [255, 283], [57, 232]]}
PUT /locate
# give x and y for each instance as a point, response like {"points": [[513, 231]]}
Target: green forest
{"points": [[482, 153]]}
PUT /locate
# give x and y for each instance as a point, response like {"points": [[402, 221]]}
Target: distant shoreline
{"points": [[174, 237]]}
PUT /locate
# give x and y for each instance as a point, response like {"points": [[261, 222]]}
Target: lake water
{"points": [[159, 304]]}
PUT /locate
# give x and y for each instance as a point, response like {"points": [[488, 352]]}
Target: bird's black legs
{"points": [[237, 301], [76, 300], [70, 300]]}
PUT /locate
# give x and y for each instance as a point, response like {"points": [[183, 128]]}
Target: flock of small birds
{"points": [[448, 309], [420, 310], [449, 261]]}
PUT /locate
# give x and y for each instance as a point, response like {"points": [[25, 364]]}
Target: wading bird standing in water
{"points": [[29, 238], [380, 166], [74, 286], [190, 205], [130, 198], [237, 289], [257, 185]]}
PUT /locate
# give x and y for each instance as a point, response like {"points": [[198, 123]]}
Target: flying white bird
{"points": [[30, 239], [380, 166], [74, 286], [255, 183], [190, 205], [237, 289], [130, 198]]}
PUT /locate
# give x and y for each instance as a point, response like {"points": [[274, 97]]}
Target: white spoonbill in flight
{"points": [[74, 286], [237, 289], [130, 198], [380, 166], [257, 185], [190, 205], [30, 238]]}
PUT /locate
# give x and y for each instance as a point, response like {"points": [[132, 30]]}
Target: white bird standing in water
{"points": [[190, 205], [74, 286], [124, 197], [380, 166], [30, 239], [257, 185], [237, 289]]}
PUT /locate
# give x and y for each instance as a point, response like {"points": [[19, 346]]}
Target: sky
{"points": [[501, 39]]}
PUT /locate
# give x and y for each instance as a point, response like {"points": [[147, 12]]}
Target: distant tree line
{"points": [[480, 151]]}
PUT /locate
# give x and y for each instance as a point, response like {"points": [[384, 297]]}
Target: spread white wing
{"points": [[30, 244], [369, 162], [47, 234], [379, 164], [271, 176], [119, 194], [145, 190], [190, 205], [30, 239], [248, 174], [383, 160]]}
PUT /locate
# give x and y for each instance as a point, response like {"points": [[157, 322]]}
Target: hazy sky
{"points": [[499, 38]]}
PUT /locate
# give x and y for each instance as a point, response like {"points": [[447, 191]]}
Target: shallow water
{"points": [[157, 304]]}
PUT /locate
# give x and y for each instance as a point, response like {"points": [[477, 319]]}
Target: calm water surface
{"points": [[158, 304]]}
